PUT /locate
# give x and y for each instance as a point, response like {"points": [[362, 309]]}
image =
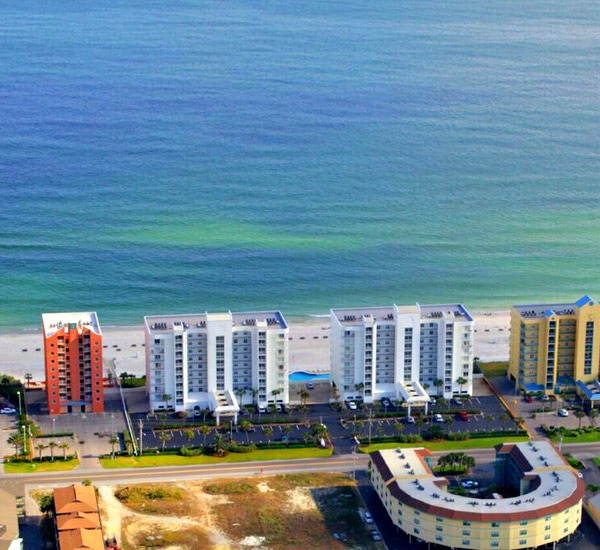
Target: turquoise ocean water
{"points": [[173, 157]]}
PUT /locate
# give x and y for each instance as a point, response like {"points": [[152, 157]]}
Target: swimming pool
{"points": [[301, 376]]}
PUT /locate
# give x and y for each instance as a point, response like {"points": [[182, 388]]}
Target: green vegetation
{"points": [[588, 434], [151, 499], [36, 467], [481, 443], [494, 368], [454, 463], [596, 461], [149, 461], [574, 462], [593, 488]]}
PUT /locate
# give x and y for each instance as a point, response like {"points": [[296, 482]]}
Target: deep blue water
{"points": [[162, 158]]}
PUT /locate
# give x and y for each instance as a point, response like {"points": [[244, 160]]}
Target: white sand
{"points": [[308, 348]]}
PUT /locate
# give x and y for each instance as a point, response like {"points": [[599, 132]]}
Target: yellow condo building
{"points": [[546, 508], [556, 346]]}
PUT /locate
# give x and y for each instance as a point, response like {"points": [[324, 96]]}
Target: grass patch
{"points": [[494, 368], [164, 536], [153, 499], [230, 488], [482, 443], [40, 467], [596, 461], [151, 461], [591, 437]]}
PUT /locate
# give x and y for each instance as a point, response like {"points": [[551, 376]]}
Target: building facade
{"points": [[216, 361], [399, 351], [555, 346], [547, 507], [73, 362]]}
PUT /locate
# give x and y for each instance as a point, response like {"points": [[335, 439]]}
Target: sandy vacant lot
{"points": [[277, 512]]}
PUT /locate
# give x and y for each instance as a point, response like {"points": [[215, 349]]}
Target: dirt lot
{"points": [[275, 513]]}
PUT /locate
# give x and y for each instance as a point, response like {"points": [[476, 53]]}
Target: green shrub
{"points": [[235, 448]]}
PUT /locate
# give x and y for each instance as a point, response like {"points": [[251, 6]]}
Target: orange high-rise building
{"points": [[73, 357]]}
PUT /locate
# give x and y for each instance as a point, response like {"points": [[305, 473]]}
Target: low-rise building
{"points": [[9, 525], [77, 518], [547, 506]]}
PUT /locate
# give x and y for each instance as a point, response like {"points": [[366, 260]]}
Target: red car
{"points": [[528, 399], [463, 415]]}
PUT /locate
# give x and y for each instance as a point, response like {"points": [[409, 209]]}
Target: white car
{"points": [[352, 405], [457, 401], [368, 518], [8, 410], [438, 418], [563, 412], [410, 420]]}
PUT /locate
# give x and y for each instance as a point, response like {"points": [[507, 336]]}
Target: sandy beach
{"points": [[21, 352]]}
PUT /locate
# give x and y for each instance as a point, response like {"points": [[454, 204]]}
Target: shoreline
{"points": [[21, 350]]}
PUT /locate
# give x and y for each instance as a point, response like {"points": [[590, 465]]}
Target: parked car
{"points": [[545, 398], [438, 418], [410, 420], [310, 386], [432, 400], [282, 439], [463, 415], [469, 484], [352, 405], [528, 399], [563, 412], [375, 536], [262, 409], [368, 518], [8, 410], [457, 401], [386, 402]]}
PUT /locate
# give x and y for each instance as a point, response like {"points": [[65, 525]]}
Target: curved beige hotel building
{"points": [[547, 507]]}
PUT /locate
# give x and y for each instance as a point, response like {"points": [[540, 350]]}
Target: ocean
{"points": [[189, 156]]}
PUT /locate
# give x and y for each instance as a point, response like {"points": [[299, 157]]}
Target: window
{"points": [[466, 542], [495, 544], [439, 538], [523, 522], [547, 537], [495, 524], [439, 528], [523, 541], [495, 534], [466, 532], [439, 518], [416, 531], [523, 532], [548, 527], [417, 521], [466, 523]]}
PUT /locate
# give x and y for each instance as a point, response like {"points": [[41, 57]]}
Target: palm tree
{"points": [[287, 430], [380, 431], [461, 382], [519, 421], [218, 444], [16, 439], [489, 417], [580, 415], [164, 437], [205, 430], [593, 414], [166, 397], [254, 393], [28, 378], [448, 420], [40, 447], [420, 422], [240, 392], [504, 418], [64, 447], [245, 426], [438, 384], [268, 431], [398, 428], [113, 441], [304, 395], [335, 394], [189, 435], [360, 424], [52, 445], [359, 388]]}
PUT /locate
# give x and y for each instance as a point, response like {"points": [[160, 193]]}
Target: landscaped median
{"points": [[170, 459], [479, 443], [21, 466]]}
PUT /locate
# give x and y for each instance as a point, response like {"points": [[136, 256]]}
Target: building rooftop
{"points": [[53, 322], [81, 539], [533, 311], [411, 481], [75, 498], [353, 316], [9, 526], [270, 319]]}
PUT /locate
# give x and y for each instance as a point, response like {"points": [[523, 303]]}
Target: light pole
{"points": [[353, 463], [53, 426], [19, 396], [112, 424]]}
